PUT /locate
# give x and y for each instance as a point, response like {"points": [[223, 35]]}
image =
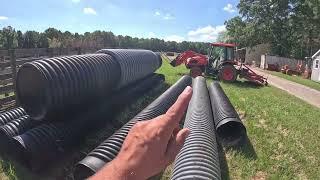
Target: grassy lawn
{"points": [[297, 79], [282, 129]]}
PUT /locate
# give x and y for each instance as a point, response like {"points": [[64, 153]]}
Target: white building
{"points": [[315, 76]]}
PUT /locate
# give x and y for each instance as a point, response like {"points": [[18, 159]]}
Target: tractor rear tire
{"points": [[228, 73]]}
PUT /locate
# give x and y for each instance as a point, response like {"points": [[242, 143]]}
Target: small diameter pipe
{"points": [[229, 127], [198, 158]]}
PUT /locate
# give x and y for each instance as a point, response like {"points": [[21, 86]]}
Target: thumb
{"points": [[175, 144]]}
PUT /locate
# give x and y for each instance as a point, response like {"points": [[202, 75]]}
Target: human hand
{"points": [[150, 145]]}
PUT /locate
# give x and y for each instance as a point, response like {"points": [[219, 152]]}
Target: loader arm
{"points": [[190, 58]]}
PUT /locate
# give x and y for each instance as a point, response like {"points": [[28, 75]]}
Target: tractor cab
{"points": [[221, 52], [221, 61]]}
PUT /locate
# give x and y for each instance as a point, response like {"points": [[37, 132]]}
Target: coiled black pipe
{"points": [[47, 141], [229, 127], [134, 63], [11, 115], [14, 128], [199, 158], [51, 85], [109, 149]]}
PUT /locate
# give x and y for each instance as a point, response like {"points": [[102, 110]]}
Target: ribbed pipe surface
{"points": [[47, 141], [14, 128], [229, 127], [17, 126], [199, 158], [51, 85], [109, 149], [134, 63], [11, 115]]}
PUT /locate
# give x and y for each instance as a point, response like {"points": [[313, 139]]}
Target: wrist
{"points": [[125, 169], [115, 170]]}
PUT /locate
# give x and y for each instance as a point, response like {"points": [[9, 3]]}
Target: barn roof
{"points": [[316, 54]]}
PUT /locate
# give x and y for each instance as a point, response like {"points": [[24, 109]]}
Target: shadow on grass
{"points": [[245, 148], [246, 84], [182, 74], [13, 170], [223, 163], [239, 83]]}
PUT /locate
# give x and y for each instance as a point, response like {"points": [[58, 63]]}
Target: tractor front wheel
{"points": [[228, 73]]}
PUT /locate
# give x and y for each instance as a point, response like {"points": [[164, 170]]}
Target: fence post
{"points": [[79, 50], [12, 55]]}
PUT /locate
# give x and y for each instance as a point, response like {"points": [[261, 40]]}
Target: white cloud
{"points": [[174, 38], [152, 35], [157, 13], [229, 8], [168, 16], [3, 18], [75, 1], [89, 10], [206, 34]]}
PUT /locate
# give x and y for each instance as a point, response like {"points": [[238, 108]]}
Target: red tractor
{"points": [[220, 63]]}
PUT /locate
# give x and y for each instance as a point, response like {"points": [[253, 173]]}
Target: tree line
{"points": [[54, 38], [291, 27]]}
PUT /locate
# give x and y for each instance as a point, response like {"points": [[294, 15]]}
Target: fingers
{"points": [[176, 111], [176, 144]]}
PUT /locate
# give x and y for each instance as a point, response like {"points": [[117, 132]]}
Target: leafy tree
{"points": [[20, 39], [54, 38], [291, 27], [43, 41], [9, 37], [31, 39]]}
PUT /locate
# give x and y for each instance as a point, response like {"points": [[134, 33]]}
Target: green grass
{"points": [[3, 95], [297, 79], [282, 129]]}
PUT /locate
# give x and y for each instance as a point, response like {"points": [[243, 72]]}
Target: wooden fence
{"points": [[11, 60]]}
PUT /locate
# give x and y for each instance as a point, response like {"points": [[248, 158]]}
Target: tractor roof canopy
{"points": [[223, 44]]}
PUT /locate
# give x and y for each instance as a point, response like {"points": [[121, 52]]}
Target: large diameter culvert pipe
{"points": [[48, 141], [230, 129], [109, 149], [11, 115], [198, 158], [134, 63], [51, 86]]}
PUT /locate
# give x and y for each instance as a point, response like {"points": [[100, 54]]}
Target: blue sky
{"points": [[191, 20]]}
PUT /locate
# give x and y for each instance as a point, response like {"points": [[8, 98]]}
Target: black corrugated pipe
{"points": [[14, 128], [109, 149], [48, 141], [134, 63], [229, 127], [199, 158], [11, 115], [50, 86]]}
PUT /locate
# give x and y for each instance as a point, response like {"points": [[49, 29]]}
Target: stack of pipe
{"points": [[48, 141], [53, 87], [67, 97], [109, 149]]}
